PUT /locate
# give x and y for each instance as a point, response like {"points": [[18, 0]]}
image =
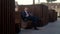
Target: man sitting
{"points": [[29, 16]]}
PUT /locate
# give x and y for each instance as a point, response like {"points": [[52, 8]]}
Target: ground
{"points": [[51, 28]]}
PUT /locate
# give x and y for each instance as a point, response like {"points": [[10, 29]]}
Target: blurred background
{"points": [[54, 4]]}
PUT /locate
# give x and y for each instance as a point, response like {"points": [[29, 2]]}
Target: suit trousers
{"points": [[34, 20]]}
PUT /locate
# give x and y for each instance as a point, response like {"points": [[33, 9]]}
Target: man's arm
{"points": [[30, 13], [23, 14]]}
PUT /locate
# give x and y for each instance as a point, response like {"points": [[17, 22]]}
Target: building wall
{"points": [[55, 6]]}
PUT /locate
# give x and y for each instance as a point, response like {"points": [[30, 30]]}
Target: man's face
{"points": [[26, 9]]}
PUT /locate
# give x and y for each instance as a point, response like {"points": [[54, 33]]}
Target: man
{"points": [[29, 16]]}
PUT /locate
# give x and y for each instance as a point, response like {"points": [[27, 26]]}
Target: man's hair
{"points": [[25, 7]]}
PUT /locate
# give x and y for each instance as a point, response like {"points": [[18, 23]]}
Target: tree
{"points": [[39, 1], [33, 2], [50, 1]]}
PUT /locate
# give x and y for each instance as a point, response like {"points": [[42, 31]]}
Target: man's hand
{"points": [[27, 15], [30, 13]]}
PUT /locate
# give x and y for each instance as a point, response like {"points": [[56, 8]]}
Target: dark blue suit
{"points": [[34, 19]]}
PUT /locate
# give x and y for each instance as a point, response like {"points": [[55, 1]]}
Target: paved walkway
{"points": [[51, 28]]}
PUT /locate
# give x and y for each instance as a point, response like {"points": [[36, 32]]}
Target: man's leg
{"points": [[34, 22], [34, 26]]}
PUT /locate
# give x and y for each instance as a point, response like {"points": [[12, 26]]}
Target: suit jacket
{"points": [[23, 14]]}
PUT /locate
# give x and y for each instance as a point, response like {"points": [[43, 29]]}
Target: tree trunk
{"points": [[38, 1], [33, 2]]}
